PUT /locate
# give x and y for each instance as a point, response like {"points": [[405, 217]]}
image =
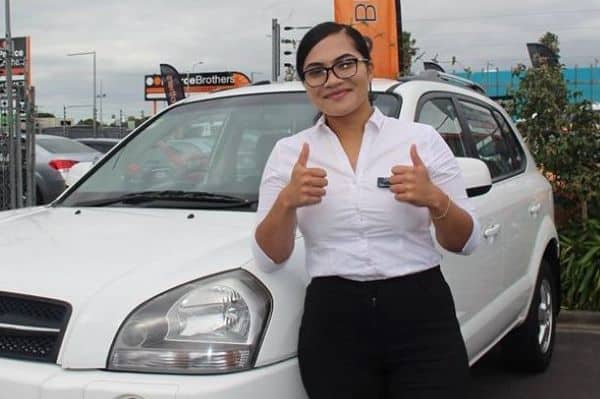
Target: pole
{"points": [[399, 38], [18, 147], [94, 127], [121, 122], [275, 35], [9, 117], [100, 96], [592, 83], [30, 188], [65, 120]]}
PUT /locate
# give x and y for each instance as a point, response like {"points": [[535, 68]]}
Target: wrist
{"points": [[285, 201], [439, 206]]}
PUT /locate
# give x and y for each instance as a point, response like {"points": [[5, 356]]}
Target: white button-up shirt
{"points": [[360, 231]]}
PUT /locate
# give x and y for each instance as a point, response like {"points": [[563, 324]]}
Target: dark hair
{"points": [[320, 32]]}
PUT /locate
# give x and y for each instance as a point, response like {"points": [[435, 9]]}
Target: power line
{"points": [[522, 14]]}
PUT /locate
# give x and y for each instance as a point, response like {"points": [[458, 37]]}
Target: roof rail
{"points": [[437, 76], [260, 83]]}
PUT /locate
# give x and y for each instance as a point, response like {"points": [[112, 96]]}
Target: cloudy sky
{"points": [[132, 37]]}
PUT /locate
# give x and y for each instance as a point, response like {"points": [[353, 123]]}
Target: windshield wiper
{"points": [[227, 201]]}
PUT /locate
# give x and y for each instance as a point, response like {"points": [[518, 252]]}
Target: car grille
{"points": [[31, 328]]}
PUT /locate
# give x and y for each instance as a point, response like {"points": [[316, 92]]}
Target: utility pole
{"points": [[275, 36], [100, 96], [121, 122], [64, 121]]}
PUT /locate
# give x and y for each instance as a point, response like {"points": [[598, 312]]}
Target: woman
{"points": [[379, 319]]}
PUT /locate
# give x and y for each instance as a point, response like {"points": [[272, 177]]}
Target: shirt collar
{"points": [[376, 119]]}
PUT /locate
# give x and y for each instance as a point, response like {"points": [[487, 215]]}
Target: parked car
{"points": [[179, 308], [100, 144], [54, 157]]}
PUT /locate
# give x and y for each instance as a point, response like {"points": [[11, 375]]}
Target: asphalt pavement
{"points": [[574, 372]]}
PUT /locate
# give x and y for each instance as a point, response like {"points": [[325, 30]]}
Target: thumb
{"points": [[303, 157], [414, 156]]}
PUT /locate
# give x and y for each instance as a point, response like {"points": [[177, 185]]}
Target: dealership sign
{"points": [[200, 82], [21, 60]]}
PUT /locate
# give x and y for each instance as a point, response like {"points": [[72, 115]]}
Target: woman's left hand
{"points": [[411, 183]]}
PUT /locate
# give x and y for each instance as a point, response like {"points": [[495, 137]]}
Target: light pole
{"points": [[92, 53]]}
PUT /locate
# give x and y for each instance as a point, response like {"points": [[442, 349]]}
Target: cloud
{"points": [[131, 38]]}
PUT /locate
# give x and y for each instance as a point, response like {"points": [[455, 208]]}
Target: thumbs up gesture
{"points": [[411, 183], [307, 185]]}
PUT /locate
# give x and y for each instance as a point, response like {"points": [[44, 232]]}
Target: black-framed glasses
{"points": [[342, 69]]}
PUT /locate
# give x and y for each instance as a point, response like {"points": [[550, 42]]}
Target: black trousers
{"points": [[394, 338]]}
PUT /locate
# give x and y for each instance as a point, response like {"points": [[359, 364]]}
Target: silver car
{"points": [[54, 157]]}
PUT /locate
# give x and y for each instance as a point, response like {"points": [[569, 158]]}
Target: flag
{"points": [[378, 20], [171, 83], [541, 55]]}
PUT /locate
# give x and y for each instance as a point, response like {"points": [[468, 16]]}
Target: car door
{"points": [[529, 193], [509, 198], [475, 280]]}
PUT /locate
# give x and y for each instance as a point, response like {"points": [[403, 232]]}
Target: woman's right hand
{"points": [[307, 185]]}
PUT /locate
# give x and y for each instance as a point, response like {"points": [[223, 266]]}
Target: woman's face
{"points": [[338, 97]]}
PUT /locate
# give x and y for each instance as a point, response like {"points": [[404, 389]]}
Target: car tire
{"points": [[529, 347]]}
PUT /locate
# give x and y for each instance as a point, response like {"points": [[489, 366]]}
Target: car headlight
{"points": [[212, 325]]}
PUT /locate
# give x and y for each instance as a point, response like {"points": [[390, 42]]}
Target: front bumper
{"points": [[29, 380]]}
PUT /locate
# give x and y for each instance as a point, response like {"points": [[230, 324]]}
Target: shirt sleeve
{"points": [[271, 184], [445, 173]]}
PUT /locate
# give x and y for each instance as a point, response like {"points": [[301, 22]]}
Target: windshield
{"points": [[215, 146]]}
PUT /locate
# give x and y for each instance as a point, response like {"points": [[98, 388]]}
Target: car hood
{"points": [[105, 262], [46, 250]]}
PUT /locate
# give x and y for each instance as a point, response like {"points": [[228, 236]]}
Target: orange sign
{"points": [[375, 19]]}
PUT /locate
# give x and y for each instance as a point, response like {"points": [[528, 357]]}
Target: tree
{"points": [[562, 132], [550, 40], [409, 50]]}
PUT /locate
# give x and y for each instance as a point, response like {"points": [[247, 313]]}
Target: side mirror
{"points": [[477, 176]]}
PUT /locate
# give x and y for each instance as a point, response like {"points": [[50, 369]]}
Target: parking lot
{"points": [[574, 372]]}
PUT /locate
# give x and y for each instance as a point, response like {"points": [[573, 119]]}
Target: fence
{"points": [[585, 81]]}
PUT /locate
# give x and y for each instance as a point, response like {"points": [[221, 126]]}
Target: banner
{"points": [[541, 55], [171, 83], [21, 60], [376, 19], [199, 82]]}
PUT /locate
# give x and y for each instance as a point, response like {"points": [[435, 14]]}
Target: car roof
{"points": [[413, 85], [279, 87]]}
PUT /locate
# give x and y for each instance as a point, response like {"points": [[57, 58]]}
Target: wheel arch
{"points": [[552, 256]]}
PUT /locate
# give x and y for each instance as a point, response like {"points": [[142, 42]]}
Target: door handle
{"points": [[535, 209], [491, 231]]}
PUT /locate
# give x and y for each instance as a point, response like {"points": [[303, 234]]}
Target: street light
{"points": [[92, 53]]}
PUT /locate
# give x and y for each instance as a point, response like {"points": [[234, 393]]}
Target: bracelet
{"points": [[443, 215]]}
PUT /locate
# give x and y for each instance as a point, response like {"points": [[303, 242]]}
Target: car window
{"points": [[490, 143], [517, 155], [218, 145], [62, 145], [440, 113]]}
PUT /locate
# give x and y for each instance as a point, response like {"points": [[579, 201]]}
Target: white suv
{"points": [[139, 281]]}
